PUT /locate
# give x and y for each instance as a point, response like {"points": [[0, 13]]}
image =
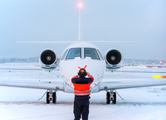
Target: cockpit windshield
{"points": [[91, 52], [74, 52]]}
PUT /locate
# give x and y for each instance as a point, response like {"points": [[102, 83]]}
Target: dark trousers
{"points": [[81, 106]]}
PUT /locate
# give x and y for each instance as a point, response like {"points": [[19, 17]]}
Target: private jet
{"points": [[81, 54]]}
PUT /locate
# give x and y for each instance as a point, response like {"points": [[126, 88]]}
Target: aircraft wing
{"points": [[35, 85], [138, 71], [40, 69], [30, 69], [112, 85]]}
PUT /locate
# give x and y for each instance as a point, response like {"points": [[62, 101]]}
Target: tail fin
{"points": [[80, 30]]}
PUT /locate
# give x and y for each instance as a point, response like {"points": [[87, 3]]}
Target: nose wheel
{"points": [[111, 96], [51, 96]]}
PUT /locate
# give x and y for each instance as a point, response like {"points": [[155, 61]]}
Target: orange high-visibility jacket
{"points": [[82, 85]]}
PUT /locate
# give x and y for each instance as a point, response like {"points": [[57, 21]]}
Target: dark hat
{"points": [[82, 74]]}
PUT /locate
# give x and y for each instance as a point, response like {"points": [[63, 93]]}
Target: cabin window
{"points": [[64, 55], [74, 52], [91, 52], [101, 56]]}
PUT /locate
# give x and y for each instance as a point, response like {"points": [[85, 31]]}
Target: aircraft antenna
{"points": [[80, 5]]}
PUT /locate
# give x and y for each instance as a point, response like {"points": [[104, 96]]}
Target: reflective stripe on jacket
{"points": [[82, 85]]}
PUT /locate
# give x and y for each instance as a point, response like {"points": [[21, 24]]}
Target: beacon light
{"points": [[80, 5]]}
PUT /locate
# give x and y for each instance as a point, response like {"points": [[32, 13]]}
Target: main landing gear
{"points": [[111, 96], [50, 96]]}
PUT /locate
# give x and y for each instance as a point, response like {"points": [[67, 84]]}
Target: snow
{"points": [[147, 103]]}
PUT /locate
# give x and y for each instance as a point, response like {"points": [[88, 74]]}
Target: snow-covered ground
{"points": [[147, 103]]}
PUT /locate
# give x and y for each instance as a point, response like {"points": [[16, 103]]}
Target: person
{"points": [[82, 92]]}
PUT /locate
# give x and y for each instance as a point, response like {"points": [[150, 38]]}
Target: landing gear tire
{"points": [[108, 98], [111, 96], [47, 98], [114, 100], [54, 97]]}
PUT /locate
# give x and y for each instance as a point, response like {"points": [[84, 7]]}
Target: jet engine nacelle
{"points": [[48, 59], [113, 59]]}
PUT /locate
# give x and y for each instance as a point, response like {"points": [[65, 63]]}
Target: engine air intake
{"points": [[113, 57], [48, 57]]}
